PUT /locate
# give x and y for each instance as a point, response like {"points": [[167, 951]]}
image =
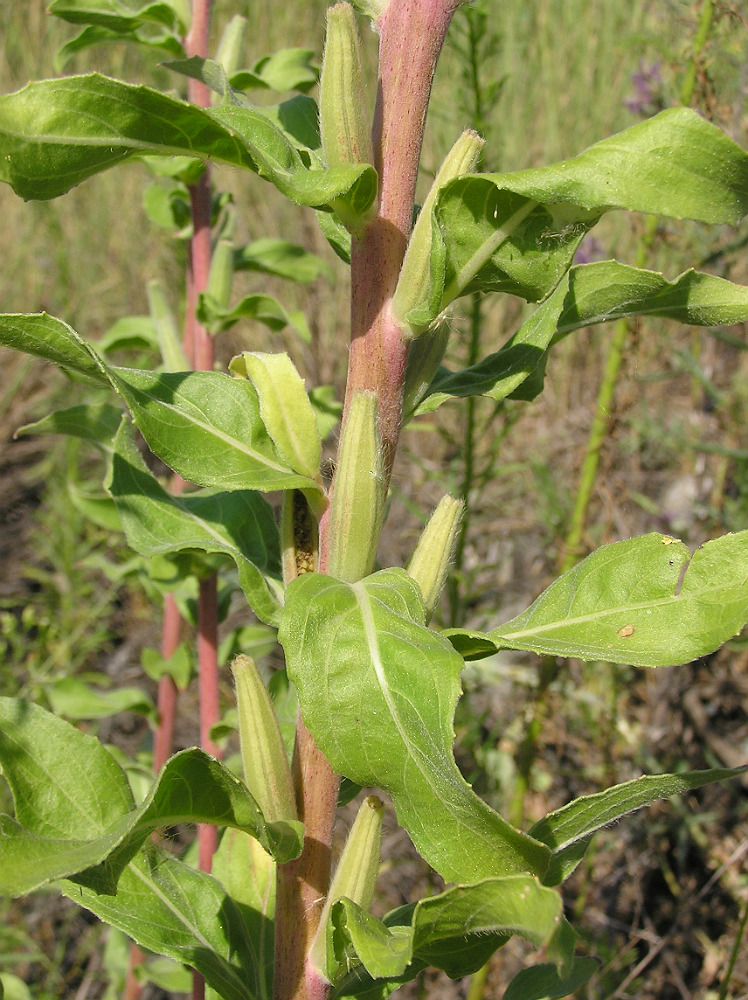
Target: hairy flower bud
{"points": [[415, 275], [429, 564], [167, 333], [267, 772], [344, 124], [355, 877], [357, 507], [231, 46]]}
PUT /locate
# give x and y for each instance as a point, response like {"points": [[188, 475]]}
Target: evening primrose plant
{"points": [[377, 687]]}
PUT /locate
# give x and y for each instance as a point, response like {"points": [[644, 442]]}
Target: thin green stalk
{"points": [[455, 590], [736, 951], [478, 983]]}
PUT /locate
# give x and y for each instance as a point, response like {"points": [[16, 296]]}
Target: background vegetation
{"points": [[662, 895]]}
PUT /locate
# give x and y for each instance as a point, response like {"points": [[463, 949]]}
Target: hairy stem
{"points": [[411, 36]]}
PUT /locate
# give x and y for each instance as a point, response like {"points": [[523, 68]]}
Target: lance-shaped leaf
{"points": [[239, 524], [286, 69], [65, 782], [378, 691], [97, 422], [518, 232], [247, 873], [282, 258], [51, 339], [73, 698], [589, 294], [162, 41], [192, 787], [544, 982], [171, 909], [645, 601], [457, 930], [204, 425], [568, 830], [119, 16], [264, 308], [56, 133]]}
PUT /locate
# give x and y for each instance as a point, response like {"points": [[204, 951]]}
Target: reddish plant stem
{"points": [[196, 44], [411, 36], [167, 689]]}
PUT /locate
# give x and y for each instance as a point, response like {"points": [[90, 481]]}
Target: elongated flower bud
{"points": [[415, 276], [168, 335], [231, 46], [344, 125], [355, 877], [430, 562], [267, 772], [357, 508]]}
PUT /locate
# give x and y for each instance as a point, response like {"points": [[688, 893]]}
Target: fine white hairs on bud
{"points": [[431, 560], [355, 877], [267, 772], [415, 275], [344, 124], [357, 506]]}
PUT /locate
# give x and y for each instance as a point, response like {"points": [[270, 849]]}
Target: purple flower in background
{"points": [[647, 83], [590, 250]]}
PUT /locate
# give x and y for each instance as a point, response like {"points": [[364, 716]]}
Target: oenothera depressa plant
{"points": [[377, 686]]}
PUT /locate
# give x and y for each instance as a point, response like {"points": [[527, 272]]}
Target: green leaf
{"points": [[51, 339], [161, 41], [117, 15], [568, 830], [285, 408], [248, 875], [191, 787], [178, 666], [544, 982], [204, 425], [457, 930], [286, 69], [97, 422], [173, 910], [378, 691], [589, 294], [518, 232], [63, 781], [135, 333], [283, 259], [263, 308], [74, 699], [645, 601], [239, 524], [96, 506], [56, 133]]}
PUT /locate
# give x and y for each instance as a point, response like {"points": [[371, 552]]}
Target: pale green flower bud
{"points": [[267, 772], [355, 877], [414, 283], [221, 273], [167, 333], [344, 125], [231, 46], [357, 507], [430, 562]]}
